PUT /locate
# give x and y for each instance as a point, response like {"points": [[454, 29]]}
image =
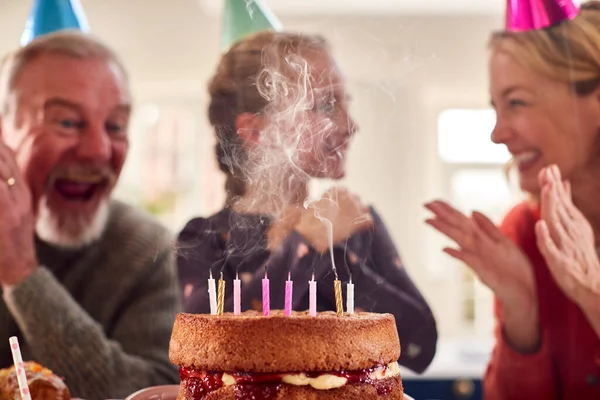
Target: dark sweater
{"points": [[101, 317], [237, 243]]}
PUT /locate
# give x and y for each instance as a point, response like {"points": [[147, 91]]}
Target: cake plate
{"points": [[169, 392]]}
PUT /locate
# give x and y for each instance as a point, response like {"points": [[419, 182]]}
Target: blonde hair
{"points": [[69, 43], [568, 52], [236, 89]]}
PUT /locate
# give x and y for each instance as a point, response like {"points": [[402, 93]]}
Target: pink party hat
{"points": [[527, 15]]}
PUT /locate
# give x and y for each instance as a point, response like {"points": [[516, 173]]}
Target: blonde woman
{"points": [[541, 263]]}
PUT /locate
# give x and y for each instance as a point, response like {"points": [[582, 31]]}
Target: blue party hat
{"points": [[245, 17], [48, 16]]}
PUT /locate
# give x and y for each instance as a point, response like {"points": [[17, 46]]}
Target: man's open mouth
{"points": [[80, 189]]}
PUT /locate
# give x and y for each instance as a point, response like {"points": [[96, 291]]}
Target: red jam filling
{"points": [[265, 386]]}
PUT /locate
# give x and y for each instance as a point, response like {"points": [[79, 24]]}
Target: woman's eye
{"points": [[114, 129], [68, 123], [516, 103], [328, 108]]}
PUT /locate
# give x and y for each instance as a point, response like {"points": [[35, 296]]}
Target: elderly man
{"points": [[88, 282]]}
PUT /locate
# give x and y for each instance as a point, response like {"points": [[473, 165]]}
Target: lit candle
{"points": [[266, 301], [221, 297], [237, 296], [350, 297], [212, 294], [289, 287], [312, 297], [337, 285]]}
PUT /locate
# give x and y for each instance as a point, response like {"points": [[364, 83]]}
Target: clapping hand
{"points": [[566, 240], [496, 260]]}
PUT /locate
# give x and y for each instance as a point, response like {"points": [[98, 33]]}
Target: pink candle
{"points": [[237, 296], [266, 302], [312, 296], [289, 287]]}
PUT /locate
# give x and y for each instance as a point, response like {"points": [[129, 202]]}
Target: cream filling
{"points": [[326, 381]]}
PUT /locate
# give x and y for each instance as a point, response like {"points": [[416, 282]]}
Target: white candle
{"points": [[350, 297], [212, 295]]}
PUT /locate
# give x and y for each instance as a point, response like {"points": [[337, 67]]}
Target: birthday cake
{"points": [[297, 357]]}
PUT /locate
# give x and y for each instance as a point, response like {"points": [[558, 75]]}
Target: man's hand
{"points": [[17, 254]]}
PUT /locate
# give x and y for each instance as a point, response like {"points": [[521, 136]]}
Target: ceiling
{"points": [[283, 7]]}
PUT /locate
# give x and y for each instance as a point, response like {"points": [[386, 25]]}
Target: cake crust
{"points": [[289, 392], [278, 343]]}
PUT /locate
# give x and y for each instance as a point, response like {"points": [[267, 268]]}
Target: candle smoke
{"points": [[298, 101], [249, 8], [300, 122]]}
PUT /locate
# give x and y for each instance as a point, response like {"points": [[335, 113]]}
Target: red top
{"points": [[567, 366]]}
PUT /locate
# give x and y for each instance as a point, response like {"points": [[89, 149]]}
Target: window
{"points": [[474, 179], [170, 171], [464, 137], [485, 190]]}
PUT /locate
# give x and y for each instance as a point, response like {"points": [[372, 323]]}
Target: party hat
{"points": [[245, 17], [48, 16], [526, 15]]}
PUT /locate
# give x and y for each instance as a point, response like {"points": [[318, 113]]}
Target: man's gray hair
{"points": [[70, 43]]}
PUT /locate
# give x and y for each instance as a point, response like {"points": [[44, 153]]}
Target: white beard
{"points": [[71, 231]]}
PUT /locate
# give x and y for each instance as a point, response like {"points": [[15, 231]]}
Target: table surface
{"points": [[454, 359]]}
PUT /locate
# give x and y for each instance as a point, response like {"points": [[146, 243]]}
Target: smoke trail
{"points": [[293, 91], [273, 169], [300, 139], [249, 8], [329, 225]]}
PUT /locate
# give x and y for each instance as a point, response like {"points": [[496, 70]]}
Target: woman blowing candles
{"points": [[542, 263], [279, 111]]}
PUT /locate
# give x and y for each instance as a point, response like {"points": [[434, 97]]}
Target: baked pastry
{"points": [[43, 383], [296, 357]]}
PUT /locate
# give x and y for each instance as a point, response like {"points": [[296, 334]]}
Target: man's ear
{"points": [[248, 127]]}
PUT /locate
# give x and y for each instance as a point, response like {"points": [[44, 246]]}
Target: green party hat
{"points": [[242, 18]]}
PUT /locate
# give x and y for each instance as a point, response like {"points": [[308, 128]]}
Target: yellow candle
{"points": [[221, 297], [338, 297]]}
